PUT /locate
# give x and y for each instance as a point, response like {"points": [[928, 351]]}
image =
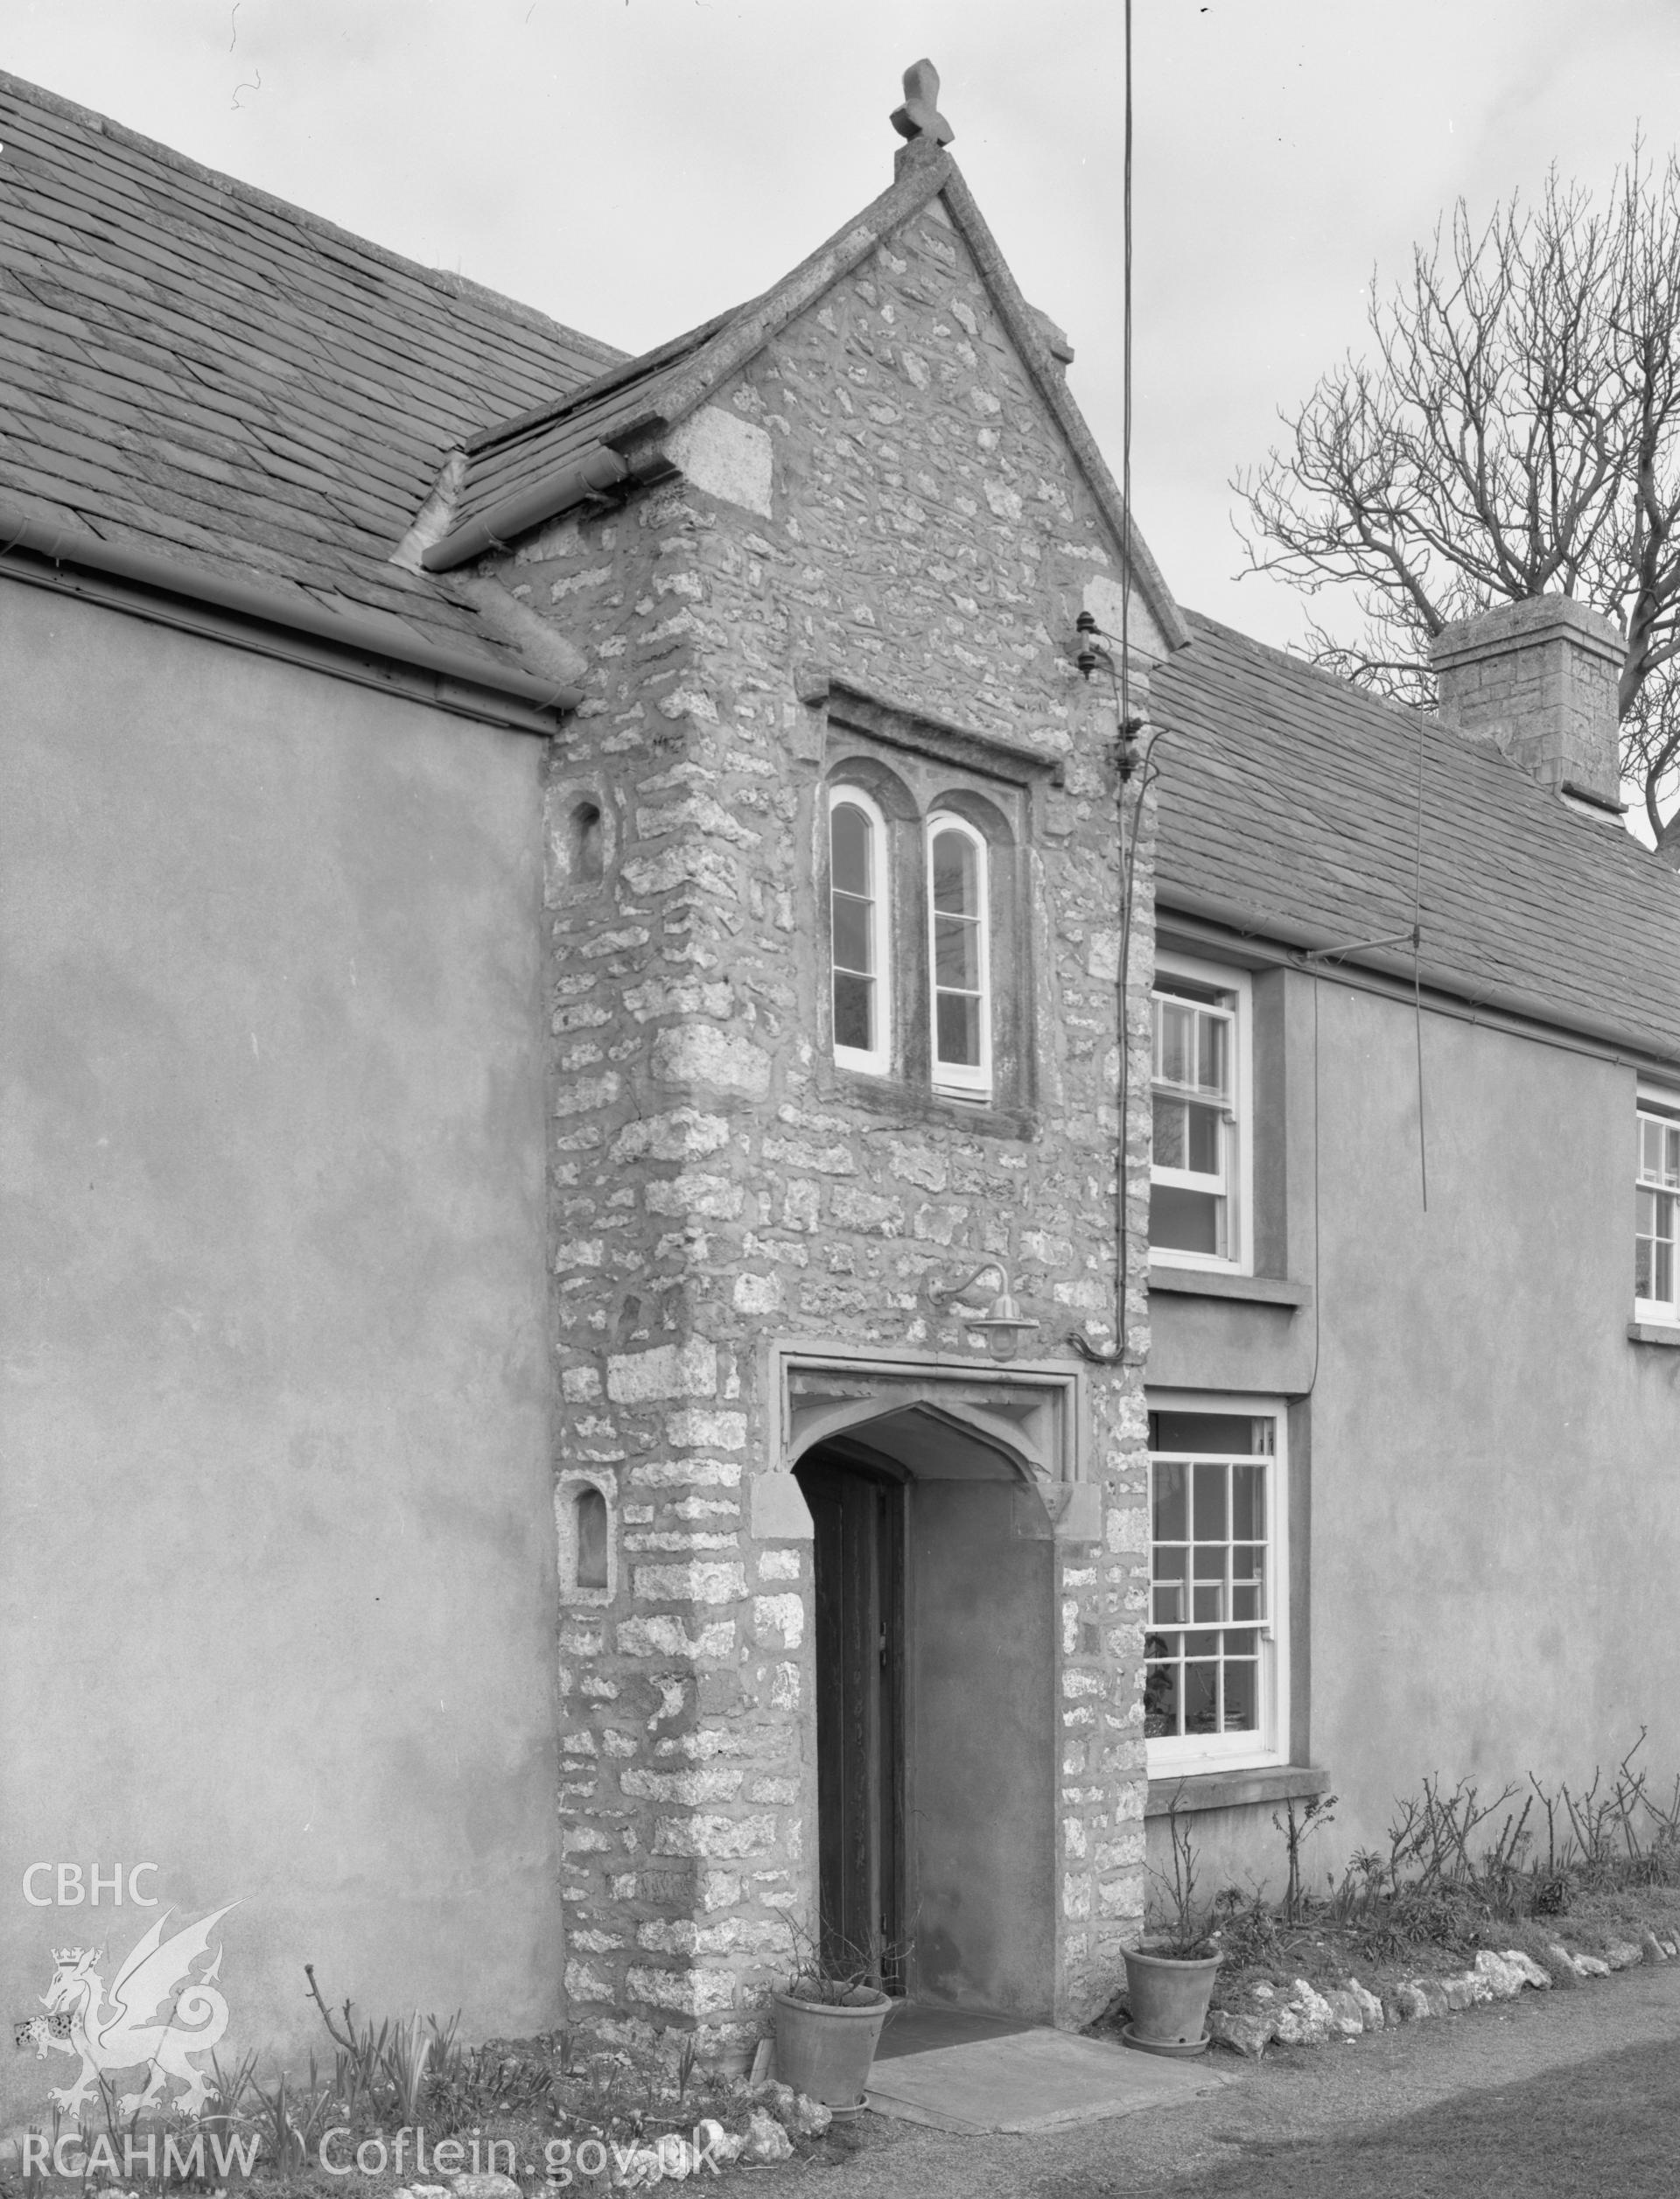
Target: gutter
{"points": [[598, 471], [381, 634], [1507, 1000]]}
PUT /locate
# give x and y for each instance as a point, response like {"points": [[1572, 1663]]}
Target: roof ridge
{"points": [[1282, 654], [437, 278]]}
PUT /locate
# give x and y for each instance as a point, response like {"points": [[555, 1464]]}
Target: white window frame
{"points": [[1183, 1756], [960, 1080], [1656, 1103], [876, 1061], [1237, 1133]]}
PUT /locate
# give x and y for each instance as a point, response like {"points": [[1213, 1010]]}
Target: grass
{"points": [[1604, 2125]]}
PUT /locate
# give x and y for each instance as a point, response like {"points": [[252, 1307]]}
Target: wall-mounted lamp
{"points": [[1002, 1325]]}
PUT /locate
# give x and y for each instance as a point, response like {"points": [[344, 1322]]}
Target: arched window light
{"points": [[960, 953], [859, 930]]}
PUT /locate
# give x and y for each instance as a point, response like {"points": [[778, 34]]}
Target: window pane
{"points": [[1170, 1609], [1161, 1694], [1186, 1221], [955, 874], [1222, 1434], [1175, 1037], [1247, 1502], [956, 953], [1207, 1602], [1211, 1052], [1663, 1278], [1170, 1141], [849, 835], [854, 1011], [1172, 1517], [1204, 1125], [1242, 1696], [590, 1517], [1202, 1698], [854, 946], [1210, 1513], [958, 1030]]}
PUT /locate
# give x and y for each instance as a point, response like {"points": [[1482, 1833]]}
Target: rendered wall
{"points": [[274, 1513], [982, 1679], [1494, 1510]]}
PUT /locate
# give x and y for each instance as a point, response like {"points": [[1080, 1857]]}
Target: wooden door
{"points": [[858, 1518]]}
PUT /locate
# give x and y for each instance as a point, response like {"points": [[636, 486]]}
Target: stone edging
{"points": [[1306, 2017]]}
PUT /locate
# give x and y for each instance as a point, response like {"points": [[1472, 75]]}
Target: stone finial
{"points": [[920, 116]]}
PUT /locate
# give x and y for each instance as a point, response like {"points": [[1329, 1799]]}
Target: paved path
{"points": [[1295, 2094]]}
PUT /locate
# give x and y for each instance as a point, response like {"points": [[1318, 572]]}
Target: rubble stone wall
{"points": [[717, 1184]]}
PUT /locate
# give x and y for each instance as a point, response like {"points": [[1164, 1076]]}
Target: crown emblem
{"points": [[67, 1957]]}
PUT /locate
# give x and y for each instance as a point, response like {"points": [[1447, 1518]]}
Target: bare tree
{"points": [[1516, 432]]}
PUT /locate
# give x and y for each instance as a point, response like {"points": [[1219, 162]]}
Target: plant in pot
{"points": [[1169, 1977], [829, 2020]]}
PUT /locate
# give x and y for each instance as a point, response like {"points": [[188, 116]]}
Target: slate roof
{"points": [[1288, 800], [504, 458], [194, 368]]}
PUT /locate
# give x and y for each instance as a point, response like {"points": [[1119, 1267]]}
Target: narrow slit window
{"points": [[858, 932], [960, 953], [589, 1525], [587, 854]]}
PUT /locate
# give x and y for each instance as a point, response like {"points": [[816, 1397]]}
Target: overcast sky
{"points": [[632, 167]]}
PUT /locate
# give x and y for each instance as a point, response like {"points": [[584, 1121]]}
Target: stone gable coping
{"points": [[635, 450]]}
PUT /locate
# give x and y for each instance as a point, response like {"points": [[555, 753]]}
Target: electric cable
{"points": [[1097, 1354]]}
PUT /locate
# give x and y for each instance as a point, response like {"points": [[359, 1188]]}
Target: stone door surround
{"points": [[941, 1418]]}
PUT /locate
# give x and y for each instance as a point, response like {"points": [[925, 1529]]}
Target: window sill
{"points": [[1234, 1789], [1655, 1333], [892, 1096], [1255, 1290]]}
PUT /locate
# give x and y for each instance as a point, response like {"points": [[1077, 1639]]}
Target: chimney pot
{"points": [[1538, 679]]}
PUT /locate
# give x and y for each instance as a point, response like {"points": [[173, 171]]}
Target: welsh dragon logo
{"points": [[157, 2016]]}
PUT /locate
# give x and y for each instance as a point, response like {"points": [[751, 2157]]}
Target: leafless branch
{"points": [[1514, 429]]}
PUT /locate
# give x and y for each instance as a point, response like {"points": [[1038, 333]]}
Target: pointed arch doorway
{"points": [[933, 1501]]}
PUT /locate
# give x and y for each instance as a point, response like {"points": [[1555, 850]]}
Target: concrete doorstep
{"points": [[1037, 2080]]}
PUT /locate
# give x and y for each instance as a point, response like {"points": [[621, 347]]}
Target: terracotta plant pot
{"points": [[825, 2047], [1168, 1997]]}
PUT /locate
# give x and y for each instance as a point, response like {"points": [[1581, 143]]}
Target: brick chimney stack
{"points": [[1538, 679]]}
